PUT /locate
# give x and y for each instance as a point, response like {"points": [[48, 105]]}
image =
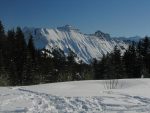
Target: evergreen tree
{"points": [[99, 68], [2, 34], [145, 55], [95, 68], [117, 62], [139, 48], [20, 54], [3, 69], [145, 46], [28, 69], [71, 57], [133, 69], [31, 47], [11, 56], [3, 72]]}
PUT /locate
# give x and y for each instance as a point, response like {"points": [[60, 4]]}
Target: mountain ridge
{"points": [[85, 46]]}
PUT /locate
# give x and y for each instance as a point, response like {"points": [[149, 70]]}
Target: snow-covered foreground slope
{"points": [[131, 96], [68, 38]]}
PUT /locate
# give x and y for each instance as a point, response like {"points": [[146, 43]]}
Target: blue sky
{"points": [[117, 17]]}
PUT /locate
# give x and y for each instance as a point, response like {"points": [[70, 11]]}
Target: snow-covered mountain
{"points": [[86, 46]]}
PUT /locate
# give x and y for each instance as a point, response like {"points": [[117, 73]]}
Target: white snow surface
{"points": [[85, 46], [131, 96]]}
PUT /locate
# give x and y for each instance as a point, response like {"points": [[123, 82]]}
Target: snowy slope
{"points": [[131, 96], [85, 46]]}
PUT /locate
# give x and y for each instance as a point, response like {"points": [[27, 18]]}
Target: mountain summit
{"points": [[66, 38], [67, 28]]}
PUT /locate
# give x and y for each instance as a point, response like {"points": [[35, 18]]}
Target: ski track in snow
{"points": [[113, 102]]}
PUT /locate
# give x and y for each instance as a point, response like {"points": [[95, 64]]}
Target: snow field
{"points": [[77, 97]]}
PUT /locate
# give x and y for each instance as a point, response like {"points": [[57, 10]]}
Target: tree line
{"points": [[22, 64]]}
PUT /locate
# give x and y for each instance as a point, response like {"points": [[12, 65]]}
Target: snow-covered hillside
{"points": [[85, 46], [131, 96]]}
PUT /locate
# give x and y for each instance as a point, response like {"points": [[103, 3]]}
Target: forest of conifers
{"points": [[23, 64]]}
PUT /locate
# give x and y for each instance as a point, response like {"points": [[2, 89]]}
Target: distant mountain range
{"points": [[135, 38], [85, 46]]}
